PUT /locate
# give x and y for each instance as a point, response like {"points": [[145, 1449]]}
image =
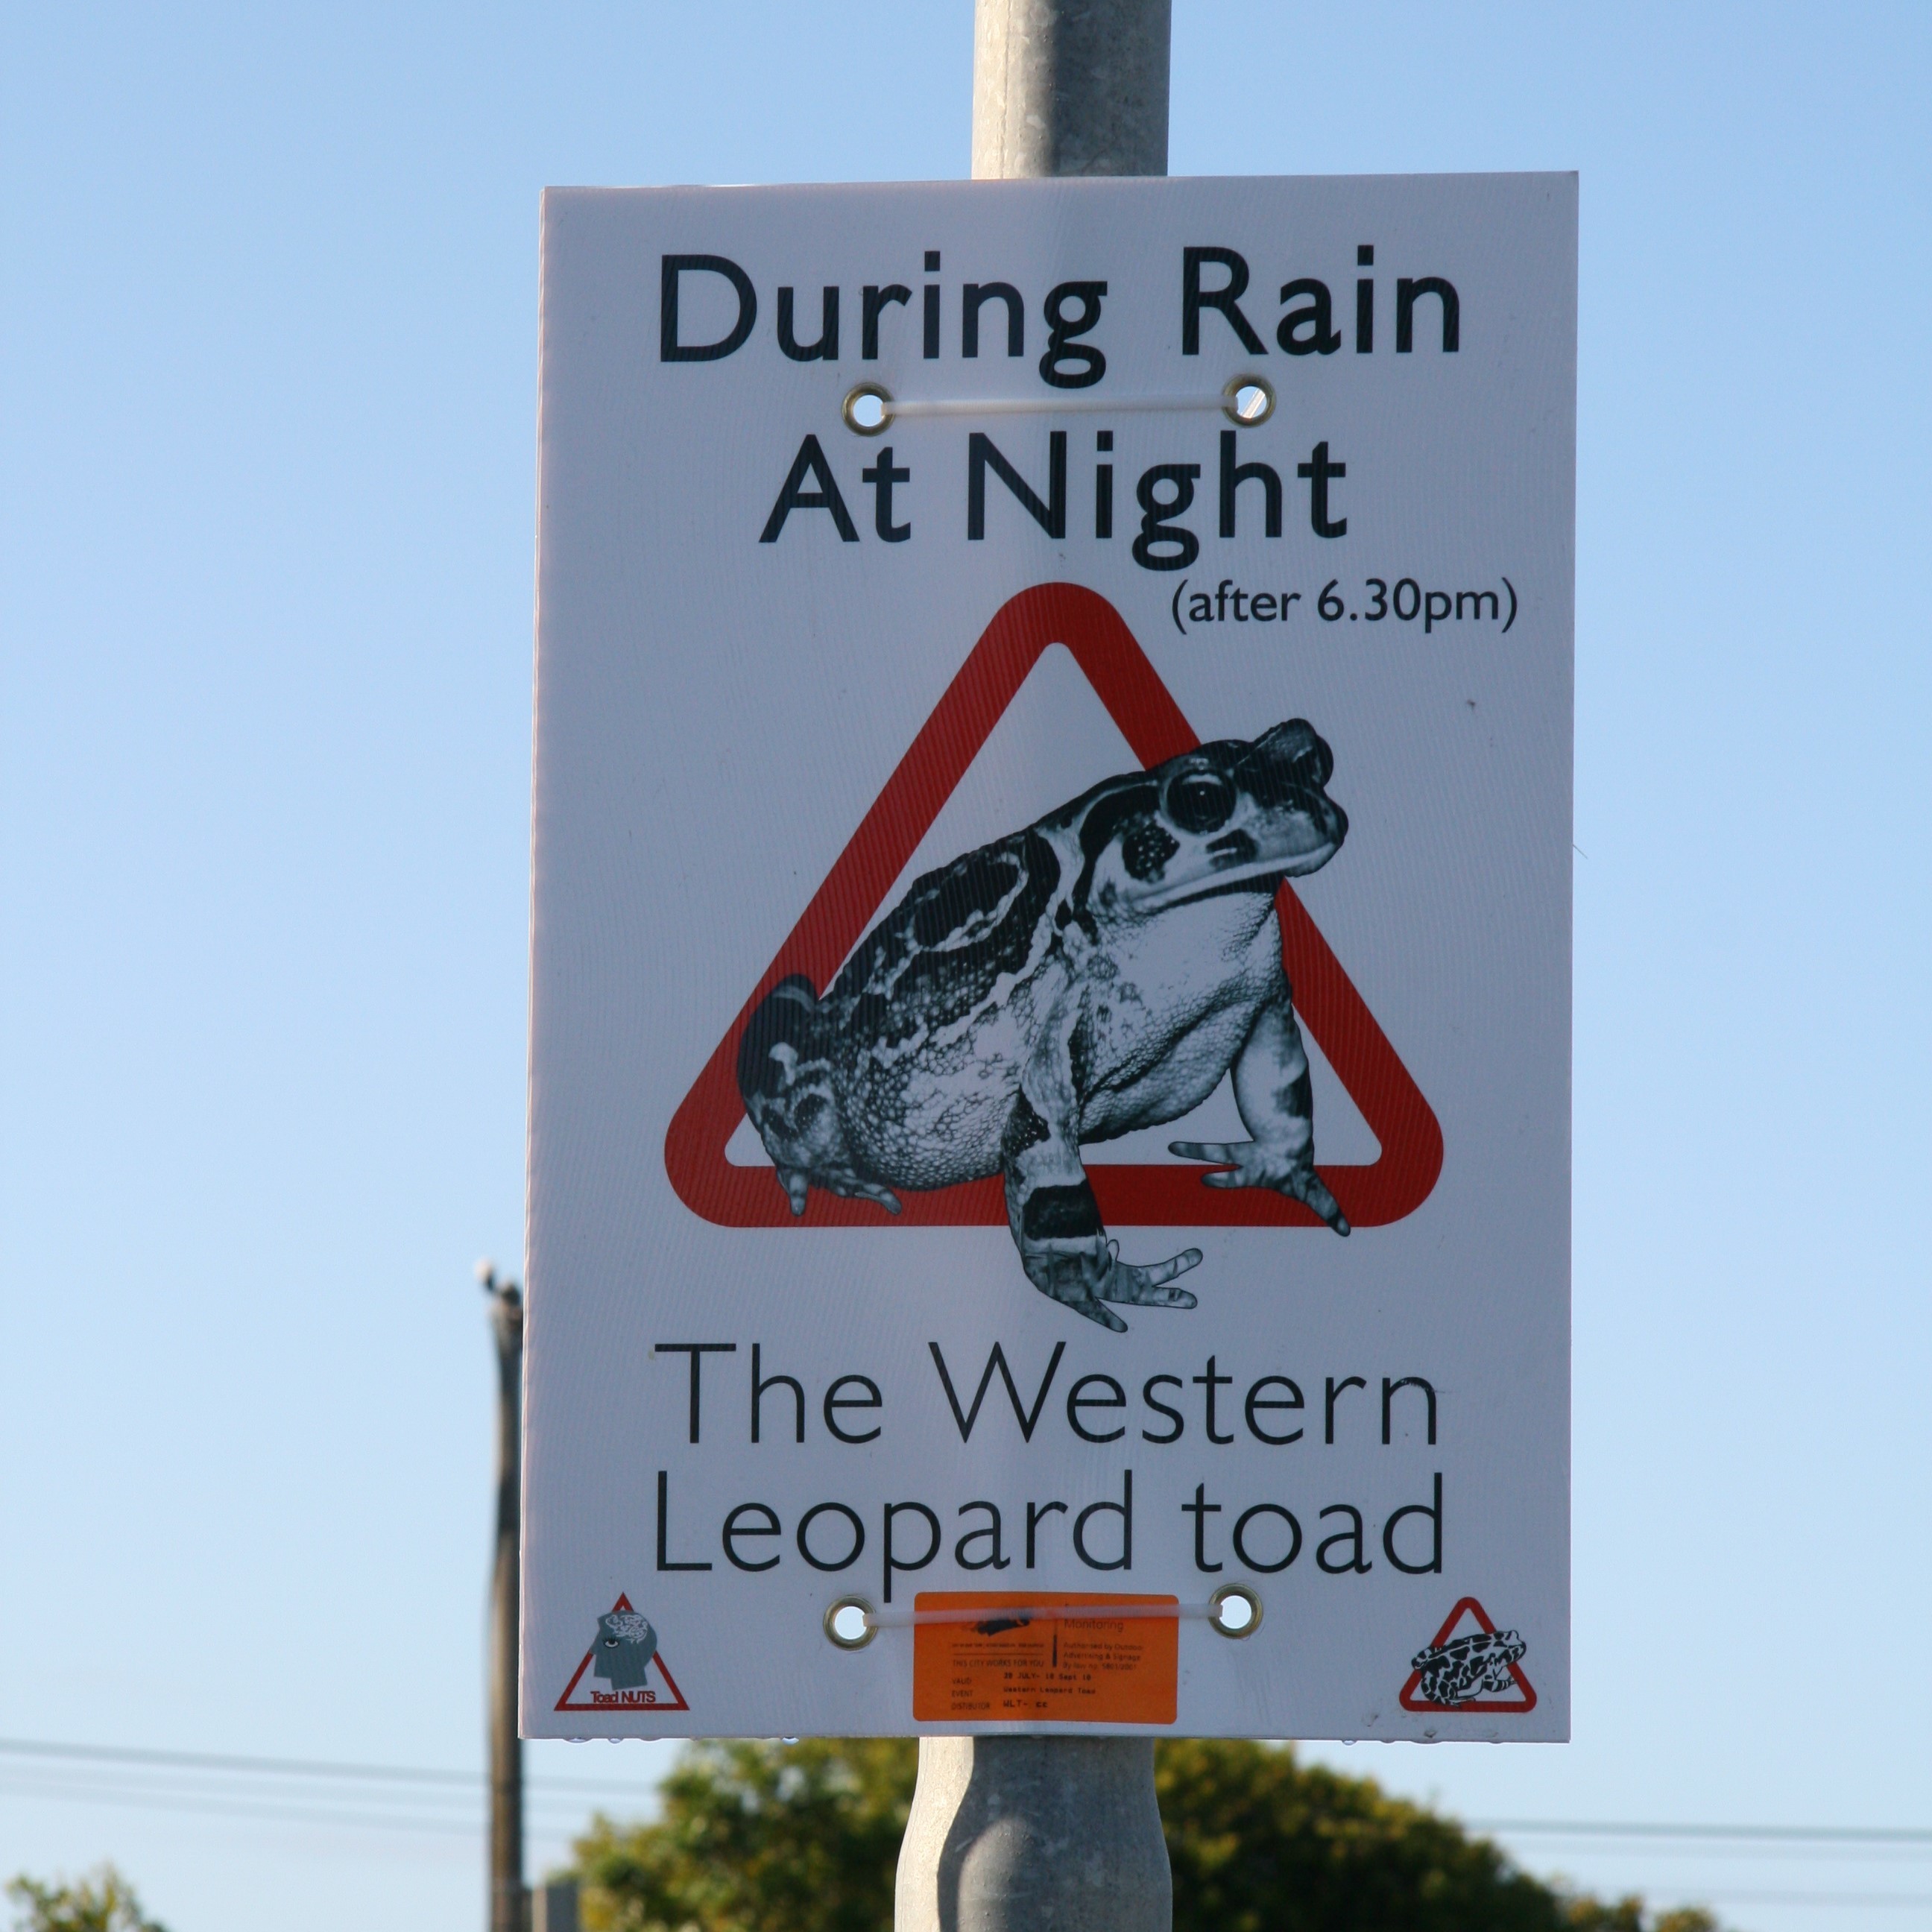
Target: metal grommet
{"points": [[850, 1639], [1258, 405], [859, 395], [1238, 1593]]}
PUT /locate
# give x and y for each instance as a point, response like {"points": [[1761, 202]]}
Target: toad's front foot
{"points": [[1250, 1164], [1087, 1274]]}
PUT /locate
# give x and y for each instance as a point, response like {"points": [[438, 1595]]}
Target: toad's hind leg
{"points": [[786, 1081], [1054, 1219]]}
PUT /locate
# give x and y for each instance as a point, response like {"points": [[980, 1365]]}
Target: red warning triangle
{"points": [[1129, 1195], [1441, 1661], [638, 1697]]}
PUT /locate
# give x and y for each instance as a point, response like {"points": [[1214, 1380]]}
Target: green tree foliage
{"points": [[1259, 1843], [100, 1900], [759, 1838], [805, 1837]]}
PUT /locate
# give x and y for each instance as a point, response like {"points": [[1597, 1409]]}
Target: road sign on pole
{"points": [[1050, 1051]]}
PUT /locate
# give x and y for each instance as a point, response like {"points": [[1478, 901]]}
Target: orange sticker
{"points": [[1031, 1664]]}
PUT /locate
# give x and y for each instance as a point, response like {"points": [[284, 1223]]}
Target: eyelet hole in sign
{"points": [[1249, 401], [848, 1623], [1234, 1610], [867, 409]]}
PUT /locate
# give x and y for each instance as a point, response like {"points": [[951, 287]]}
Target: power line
{"points": [[431, 1780], [1815, 1834], [1917, 1900], [291, 1767]]}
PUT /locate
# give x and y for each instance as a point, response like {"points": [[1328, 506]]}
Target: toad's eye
{"points": [[1200, 801]]}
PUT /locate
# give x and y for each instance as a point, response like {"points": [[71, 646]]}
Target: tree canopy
{"points": [[805, 1837], [100, 1900]]}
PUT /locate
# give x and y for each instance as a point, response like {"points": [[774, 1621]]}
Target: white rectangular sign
{"points": [[1050, 1056]]}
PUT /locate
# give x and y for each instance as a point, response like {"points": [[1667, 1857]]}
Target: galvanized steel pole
{"points": [[1069, 87], [1049, 1834], [508, 1908]]}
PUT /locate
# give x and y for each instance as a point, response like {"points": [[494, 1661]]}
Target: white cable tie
{"points": [[1023, 1613], [888, 409], [1027, 406]]}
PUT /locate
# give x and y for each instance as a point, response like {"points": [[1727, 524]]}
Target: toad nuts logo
{"points": [[1469, 1665], [623, 1653]]}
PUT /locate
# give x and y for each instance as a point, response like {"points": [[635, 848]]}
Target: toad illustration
{"points": [[1099, 972], [1455, 1672]]}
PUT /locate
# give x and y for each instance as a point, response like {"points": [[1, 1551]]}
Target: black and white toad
{"points": [[1099, 972], [1469, 1666]]}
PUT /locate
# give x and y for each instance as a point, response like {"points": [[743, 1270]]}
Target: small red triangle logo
{"points": [[1129, 1195], [640, 1697], [1467, 1656]]}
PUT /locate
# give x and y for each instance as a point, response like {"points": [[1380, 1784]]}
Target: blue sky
{"points": [[267, 376]]}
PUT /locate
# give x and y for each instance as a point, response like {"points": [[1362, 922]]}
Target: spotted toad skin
{"points": [[1100, 971]]}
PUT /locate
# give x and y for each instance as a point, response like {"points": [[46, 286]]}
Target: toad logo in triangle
{"points": [[1099, 972], [1469, 1665], [623, 1653]]}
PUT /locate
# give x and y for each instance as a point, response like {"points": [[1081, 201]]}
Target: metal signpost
{"points": [[1049, 1138], [507, 1895], [1022, 1832]]}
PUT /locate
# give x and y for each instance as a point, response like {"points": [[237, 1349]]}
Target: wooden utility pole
{"points": [[509, 1910], [1049, 1834]]}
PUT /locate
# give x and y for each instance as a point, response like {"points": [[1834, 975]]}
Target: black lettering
{"points": [[1124, 1510], [1161, 1408], [1352, 1537], [1157, 527], [1388, 1398], [1226, 299], [1319, 470], [663, 1525], [1308, 330], [1200, 1509], [1026, 1418], [826, 349], [835, 1402], [1036, 1514], [697, 1351], [1335, 1388], [871, 302], [1475, 597], [811, 1516], [892, 1560], [759, 1387], [1294, 1537], [672, 269], [811, 462], [1234, 475], [1256, 1400], [974, 297], [1365, 302], [1433, 1511], [983, 455], [882, 476], [733, 1529], [1211, 1381], [1076, 1402], [1407, 292], [1089, 365], [991, 1533]]}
